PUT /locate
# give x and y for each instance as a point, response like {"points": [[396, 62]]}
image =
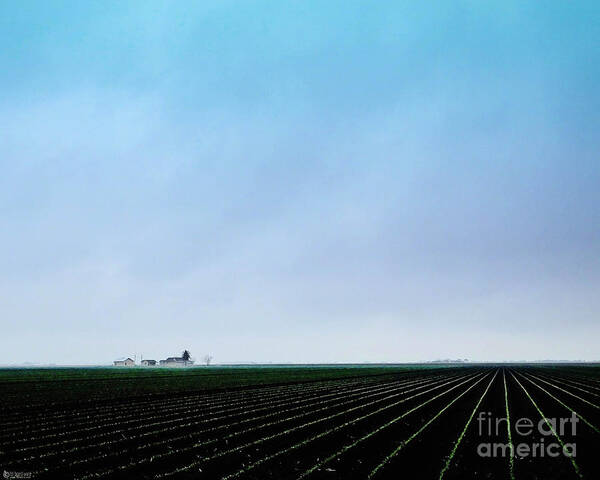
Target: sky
{"points": [[299, 181]]}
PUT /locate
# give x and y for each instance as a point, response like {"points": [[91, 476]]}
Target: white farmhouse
{"points": [[176, 362], [124, 362]]}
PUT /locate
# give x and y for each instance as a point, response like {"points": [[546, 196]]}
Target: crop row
{"points": [[191, 422], [174, 408], [346, 424], [187, 451], [134, 407], [346, 428]]}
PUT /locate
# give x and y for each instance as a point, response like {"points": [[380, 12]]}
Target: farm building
{"points": [[176, 362], [149, 363], [124, 362]]}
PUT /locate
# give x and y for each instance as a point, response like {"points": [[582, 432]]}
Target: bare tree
{"points": [[207, 359]]}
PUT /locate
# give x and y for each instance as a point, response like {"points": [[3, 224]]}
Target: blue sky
{"points": [[299, 181]]}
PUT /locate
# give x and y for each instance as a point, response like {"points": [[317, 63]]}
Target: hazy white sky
{"points": [[299, 181]]}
